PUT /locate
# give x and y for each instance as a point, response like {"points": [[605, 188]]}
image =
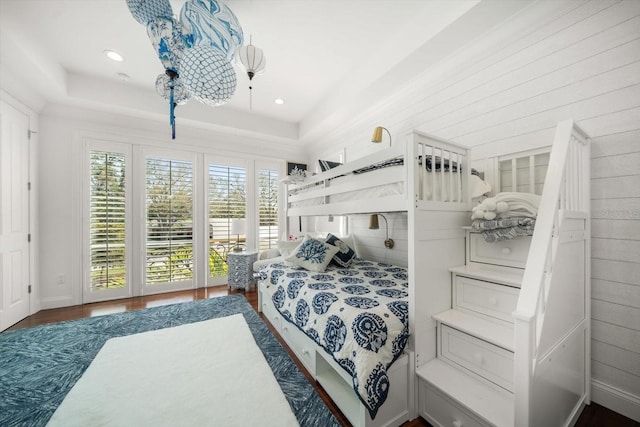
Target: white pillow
{"points": [[269, 253], [313, 255], [287, 246], [478, 187]]}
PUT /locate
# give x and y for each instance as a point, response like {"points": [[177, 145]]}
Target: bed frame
{"points": [[437, 206], [335, 380], [555, 274]]}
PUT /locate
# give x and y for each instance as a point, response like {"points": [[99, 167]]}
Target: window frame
{"points": [[88, 294], [278, 167], [176, 155], [227, 162]]}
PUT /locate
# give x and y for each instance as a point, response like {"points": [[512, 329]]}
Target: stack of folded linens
{"points": [[506, 216]]}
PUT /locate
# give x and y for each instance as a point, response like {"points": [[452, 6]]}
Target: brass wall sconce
{"points": [[374, 225], [377, 134]]}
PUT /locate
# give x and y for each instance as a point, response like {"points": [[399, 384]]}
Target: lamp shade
{"points": [[212, 24], [373, 222], [208, 75], [238, 226], [169, 41], [252, 60], [377, 134], [144, 11], [164, 84]]}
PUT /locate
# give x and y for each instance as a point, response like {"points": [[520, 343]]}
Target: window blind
{"points": [[227, 200], [169, 220], [107, 216], [268, 208]]}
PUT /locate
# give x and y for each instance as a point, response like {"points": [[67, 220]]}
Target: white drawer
{"points": [[440, 411], [510, 253], [490, 299], [270, 312], [487, 360], [302, 345]]}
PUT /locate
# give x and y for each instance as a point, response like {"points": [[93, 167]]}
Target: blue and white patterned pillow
{"points": [[345, 254], [313, 255]]}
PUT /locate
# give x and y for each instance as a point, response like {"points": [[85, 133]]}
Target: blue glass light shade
{"points": [[208, 75], [181, 93], [144, 11], [169, 41], [212, 24]]}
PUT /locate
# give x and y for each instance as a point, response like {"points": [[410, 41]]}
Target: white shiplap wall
{"points": [[506, 93], [371, 242], [615, 243]]}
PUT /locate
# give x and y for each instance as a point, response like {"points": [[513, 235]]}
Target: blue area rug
{"points": [[38, 366]]}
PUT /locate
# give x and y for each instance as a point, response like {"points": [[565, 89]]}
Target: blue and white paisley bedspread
{"points": [[359, 315]]}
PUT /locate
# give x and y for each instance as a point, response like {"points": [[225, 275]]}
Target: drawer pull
{"points": [[305, 351], [478, 358], [493, 301], [506, 251], [285, 328], [457, 423]]}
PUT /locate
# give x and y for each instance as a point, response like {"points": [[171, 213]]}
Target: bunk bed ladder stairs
{"points": [[482, 375]]}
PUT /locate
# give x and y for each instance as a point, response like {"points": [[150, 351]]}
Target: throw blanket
{"points": [[507, 204], [504, 228], [398, 161], [359, 315]]}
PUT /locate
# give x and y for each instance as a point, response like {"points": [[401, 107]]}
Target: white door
{"points": [[14, 215]]}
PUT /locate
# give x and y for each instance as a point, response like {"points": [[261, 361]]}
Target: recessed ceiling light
{"points": [[279, 101], [113, 55], [124, 77]]}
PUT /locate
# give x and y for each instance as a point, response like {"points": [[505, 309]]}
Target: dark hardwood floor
{"points": [[593, 415]]}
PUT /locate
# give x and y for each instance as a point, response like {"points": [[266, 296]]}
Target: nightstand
{"points": [[241, 269]]}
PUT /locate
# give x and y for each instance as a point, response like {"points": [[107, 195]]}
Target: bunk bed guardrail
{"points": [[442, 173], [552, 329], [436, 178]]}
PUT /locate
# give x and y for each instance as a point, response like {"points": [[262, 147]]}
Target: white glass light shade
{"points": [[238, 226], [251, 59]]}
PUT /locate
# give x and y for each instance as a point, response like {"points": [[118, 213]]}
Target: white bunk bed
{"points": [[512, 345], [426, 178], [499, 333]]}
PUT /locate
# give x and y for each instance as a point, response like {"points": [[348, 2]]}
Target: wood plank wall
{"points": [[506, 93]]}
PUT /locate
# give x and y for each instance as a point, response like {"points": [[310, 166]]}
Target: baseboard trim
{"points": [[615, 399], [59, 302]]}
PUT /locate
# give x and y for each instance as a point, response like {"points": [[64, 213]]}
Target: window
{"points": [[166, 217], [227, 187], [107, 221], [267, 208], [169, 221]]}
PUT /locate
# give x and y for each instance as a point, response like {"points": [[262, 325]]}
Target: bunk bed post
{"points": [[414, 176]]}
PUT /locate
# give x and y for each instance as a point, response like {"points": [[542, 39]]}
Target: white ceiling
{"points": [[320, 53]]}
